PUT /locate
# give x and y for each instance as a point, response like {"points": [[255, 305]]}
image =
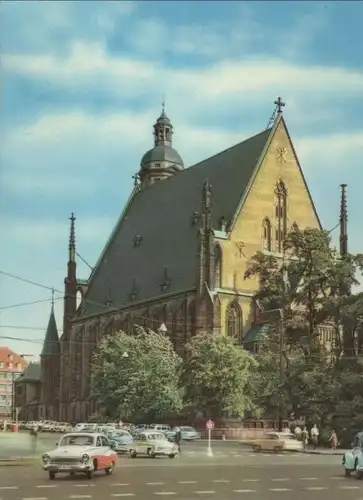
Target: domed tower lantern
{"points": [[162, 161]]}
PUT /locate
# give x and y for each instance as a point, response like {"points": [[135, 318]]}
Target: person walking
{"points": [[178, 439], [34, 439], [305, 436], [333, 440], [314, 436]]}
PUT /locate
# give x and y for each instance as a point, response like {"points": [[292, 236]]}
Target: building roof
{"points": [[51, 342], [161, 217], [10, 360], [30, 374], [162, 153], [255, 334]]}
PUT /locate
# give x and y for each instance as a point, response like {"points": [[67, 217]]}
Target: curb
{"points": [[328, 453]]}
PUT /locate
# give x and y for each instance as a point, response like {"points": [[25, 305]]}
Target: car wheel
{"points": [[277, 449], [132, 454], [89, 474], [51, 475], [109, 469], [171, 455], [256, 448], [150, 453], [359, 474], [347, 473]]}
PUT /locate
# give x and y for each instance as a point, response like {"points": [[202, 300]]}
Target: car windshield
{"points": [[80, 440], [187, 429], [117, 434], [157, 436]]}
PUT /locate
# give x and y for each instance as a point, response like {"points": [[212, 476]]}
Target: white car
{"points": [[277, 442], [80, 452], [152, 444]]}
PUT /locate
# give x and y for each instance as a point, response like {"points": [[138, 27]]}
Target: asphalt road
{"points": [[188, 477]]}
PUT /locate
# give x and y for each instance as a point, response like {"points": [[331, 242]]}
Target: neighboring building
{"points": [[28, 393], [179, 251], [11, 367]]}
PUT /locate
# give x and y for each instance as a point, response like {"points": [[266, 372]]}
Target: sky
{"points": [[83, 85]]}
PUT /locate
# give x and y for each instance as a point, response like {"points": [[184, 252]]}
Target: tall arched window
{"points": [[217, 267], [281, 215], [234, 321], [267, 235]]}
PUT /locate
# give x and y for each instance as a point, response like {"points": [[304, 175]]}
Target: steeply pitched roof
{"points": [[161, 215], [30, 374], [51, 342]]}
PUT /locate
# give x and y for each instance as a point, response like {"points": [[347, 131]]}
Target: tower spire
{"points": [[72, 239], [343, 222], [52, 298]]}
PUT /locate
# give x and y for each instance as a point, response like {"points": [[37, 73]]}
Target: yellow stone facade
{"points": [[279, 163]]}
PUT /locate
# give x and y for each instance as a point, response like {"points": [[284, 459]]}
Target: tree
{"points": [[137, 376], [216, 376]]}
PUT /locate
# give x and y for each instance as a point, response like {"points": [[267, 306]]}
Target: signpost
{"points": [[209, 425]]}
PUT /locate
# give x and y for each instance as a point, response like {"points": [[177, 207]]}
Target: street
{"points": [[230, 474]]}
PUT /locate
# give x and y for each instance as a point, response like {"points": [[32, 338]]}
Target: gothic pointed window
{"points": [[234, 321], [217, 267], [267, 235], [281, 215]]}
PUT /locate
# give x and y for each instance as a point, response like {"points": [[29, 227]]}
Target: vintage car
{"points": [[152, 444], [277, 442], [187, 433], [80, 452], [353, 460], [120, 440]]}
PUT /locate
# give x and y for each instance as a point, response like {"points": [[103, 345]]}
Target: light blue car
{"points": [[353, 460], [120, 440], [187, 433]]}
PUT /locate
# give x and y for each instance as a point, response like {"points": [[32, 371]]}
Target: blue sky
{"points": [[83, 83]]}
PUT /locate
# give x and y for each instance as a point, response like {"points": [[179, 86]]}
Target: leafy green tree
{"points": [[137, 376], [216, 376]]}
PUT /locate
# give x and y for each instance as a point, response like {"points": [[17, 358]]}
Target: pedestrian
{"points": [[305, 436], [333, 440], [178, 438], [314, 436], [297, 432], [34, 439]]}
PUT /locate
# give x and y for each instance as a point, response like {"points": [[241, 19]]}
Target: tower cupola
{"points": [[162, 161]]}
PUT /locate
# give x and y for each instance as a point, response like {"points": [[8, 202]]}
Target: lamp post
{"points": [[162, 328]]}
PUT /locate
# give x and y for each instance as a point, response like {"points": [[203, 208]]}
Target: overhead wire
{"points": [[34, 302]]}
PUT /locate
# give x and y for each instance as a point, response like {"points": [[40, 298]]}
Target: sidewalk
{"points": [[325, 451]]}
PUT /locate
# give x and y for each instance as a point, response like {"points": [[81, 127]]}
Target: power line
{"points": [[20, 304], [30, 282]]}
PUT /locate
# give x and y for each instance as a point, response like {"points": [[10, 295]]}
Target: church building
{"points": [[178, 253]]}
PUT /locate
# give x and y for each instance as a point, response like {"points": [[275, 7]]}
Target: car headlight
{"points": [[85, 458], [46, 459]]}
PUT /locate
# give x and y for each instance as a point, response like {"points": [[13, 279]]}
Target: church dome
{"points": [[162, 153]]}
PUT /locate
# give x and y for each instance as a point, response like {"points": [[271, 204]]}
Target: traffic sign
{"points": [[210, 424]]}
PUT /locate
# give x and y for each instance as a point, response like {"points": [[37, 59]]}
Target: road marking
{"points": [[221, 481], [80, 496], [308, 478], [280, 479], [35, 498], [83, 485], [244, 491], [210, 492], [280, 490], [47, 486], [164, 493], [123, 495], [9, 487], [250, 480], [120, 484], [349, 487], [316, 488], [158, 483], [187, 482]]}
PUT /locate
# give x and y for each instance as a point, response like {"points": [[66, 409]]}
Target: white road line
{"points": [[120, 484], [349, 487], [221, 481], [244, 491], [157, 483], [280, 479], [35, 498], [187, 482], [123, 495], [250, 480], [164, 493], [80, 496], [47, 486], [316, 488], [308, 478], [210, 492], [9, 487], [83, 485], [280, 490]]}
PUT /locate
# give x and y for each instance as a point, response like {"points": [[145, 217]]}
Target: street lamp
{"points": [[125, 355], [162, 328]]}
